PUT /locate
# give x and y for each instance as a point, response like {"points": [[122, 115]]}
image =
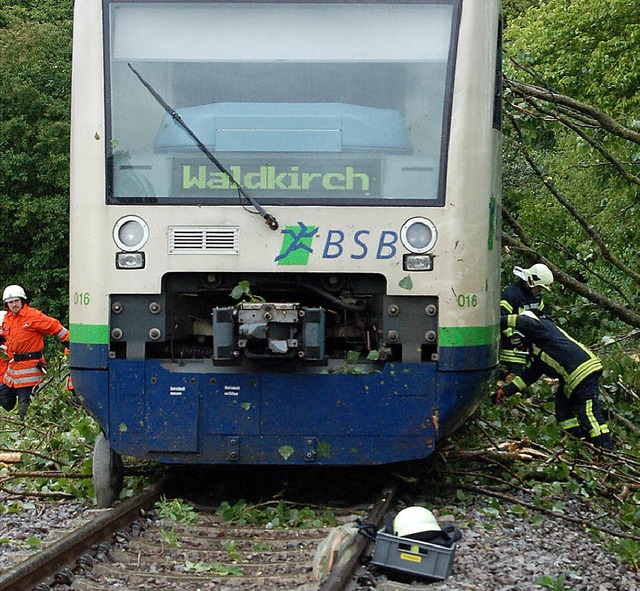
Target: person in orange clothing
{"points": [[24, 329]]}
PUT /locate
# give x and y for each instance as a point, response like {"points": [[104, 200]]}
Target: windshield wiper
{"points": [[268, 218]]}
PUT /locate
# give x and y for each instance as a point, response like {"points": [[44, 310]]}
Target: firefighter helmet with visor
{"points": [[13, 292], [414, 520], [539, 275]]}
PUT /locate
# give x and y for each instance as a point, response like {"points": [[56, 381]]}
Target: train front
{"points": [[284, 226]]}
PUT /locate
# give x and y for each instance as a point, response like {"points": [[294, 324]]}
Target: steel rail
{"points": [[342, 573], [45, 563]]}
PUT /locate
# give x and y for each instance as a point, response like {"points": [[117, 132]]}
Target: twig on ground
{"points": [[515, 501]]}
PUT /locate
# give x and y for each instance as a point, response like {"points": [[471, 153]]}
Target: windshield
{"points": [[300, 103]]}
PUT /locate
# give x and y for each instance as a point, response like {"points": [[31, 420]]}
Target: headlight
{"points": [[130, 260], [418, 235], [130, 233], [417, 262]]}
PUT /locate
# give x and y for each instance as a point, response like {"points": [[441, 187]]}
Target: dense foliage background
{"points": [[35, 84], [572, 155]]}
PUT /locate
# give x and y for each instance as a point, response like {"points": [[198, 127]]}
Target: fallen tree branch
{"points": [[14, 494], [43, 474], [632, 393], [600, 300], [628, 424], [550, 512], [55, 461], [514, 451], [586, 225]]}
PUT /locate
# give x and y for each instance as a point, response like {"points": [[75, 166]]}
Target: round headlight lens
{"points": [[418, 235], [130, 233]]}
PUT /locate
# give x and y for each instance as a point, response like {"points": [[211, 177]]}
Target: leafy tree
{"points": [[572, 145], [35, 80], [586, 49]]}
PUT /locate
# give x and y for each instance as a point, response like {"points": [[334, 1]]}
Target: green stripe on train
{"points": [[468, 336], [450, 336], [95, 334]]}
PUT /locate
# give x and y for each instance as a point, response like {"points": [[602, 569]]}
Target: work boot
{"points": [[603, 441], [24, 398]]}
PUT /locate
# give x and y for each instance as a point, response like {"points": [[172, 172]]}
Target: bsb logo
{"points": [[296, 245]]}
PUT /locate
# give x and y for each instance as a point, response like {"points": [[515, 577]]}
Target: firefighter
{"points": [[557, 355], [24, 329], [525, 294]]}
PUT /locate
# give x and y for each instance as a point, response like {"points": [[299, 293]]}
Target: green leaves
{"points": [[554, 584], [242, 292], [214, 569], [55, 446], [280, 515], [406, 283], [587, 50], [56, 438], [286, 451], [176, 510]]}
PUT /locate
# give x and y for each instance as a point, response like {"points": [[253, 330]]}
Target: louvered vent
{"points": [[204, 239]]}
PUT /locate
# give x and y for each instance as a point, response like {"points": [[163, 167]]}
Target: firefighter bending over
{"points": [[557, 355]]}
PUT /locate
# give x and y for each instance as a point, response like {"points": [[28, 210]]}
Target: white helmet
{"points": [[414, 520], [538, 275], [13, 292]]}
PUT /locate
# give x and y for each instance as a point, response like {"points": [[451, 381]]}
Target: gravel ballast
{"points": [[496, 553], [510, 553]]}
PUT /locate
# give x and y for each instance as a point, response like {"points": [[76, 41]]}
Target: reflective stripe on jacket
{"points": [[22, 378], [514, 356]]}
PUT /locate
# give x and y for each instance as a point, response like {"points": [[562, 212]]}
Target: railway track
{"points": [[122, 550], [53, 559]]}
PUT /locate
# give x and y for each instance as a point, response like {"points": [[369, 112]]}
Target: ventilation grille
{"points": [[204, 240]]}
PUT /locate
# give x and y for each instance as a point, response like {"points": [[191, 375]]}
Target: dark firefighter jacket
{"points": [[515, 299], [554, 353]]}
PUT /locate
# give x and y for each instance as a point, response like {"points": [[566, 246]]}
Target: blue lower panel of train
{"points": [[204, 417]]}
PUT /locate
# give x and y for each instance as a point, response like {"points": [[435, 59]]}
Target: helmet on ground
{"points": [[13, 292], [538, 275], [414, 520]]}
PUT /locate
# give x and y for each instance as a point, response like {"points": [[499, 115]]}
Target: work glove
{"points": [[504, 392]]}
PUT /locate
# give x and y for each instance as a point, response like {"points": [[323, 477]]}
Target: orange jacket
{"points": [[4, 361], [25, 332]]}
